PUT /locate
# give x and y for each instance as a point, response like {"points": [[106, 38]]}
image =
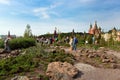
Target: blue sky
{"points": [[44, 15]]}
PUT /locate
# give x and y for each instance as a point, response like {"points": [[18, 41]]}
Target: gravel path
{"points": [[91, 73]]}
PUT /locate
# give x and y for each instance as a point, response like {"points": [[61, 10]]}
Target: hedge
{"points": [[19, 43]]}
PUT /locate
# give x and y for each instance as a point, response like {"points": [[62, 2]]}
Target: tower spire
{"points": [[95, 26], [9, 34]]}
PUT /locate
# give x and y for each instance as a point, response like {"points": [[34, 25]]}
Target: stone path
{"points": [[91, 73]]}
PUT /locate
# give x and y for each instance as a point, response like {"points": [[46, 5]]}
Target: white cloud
{"points": [[5, 2], [56, 5], [42, 12], [45, 15], [86, 1], [41, 9], [45, 12]]}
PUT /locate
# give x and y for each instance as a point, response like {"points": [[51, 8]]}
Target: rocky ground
{"points": [[89, 72], [90, 65], [107, 67]]}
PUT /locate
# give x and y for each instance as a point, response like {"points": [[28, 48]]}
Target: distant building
{"points": [[94, 30], [3, 36], [73, 32], [118, 35], [55, 33], [114, 33], [106, 36], [7, 36]]}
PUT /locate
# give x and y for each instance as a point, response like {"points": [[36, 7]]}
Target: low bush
{"points": [[12, 65]]}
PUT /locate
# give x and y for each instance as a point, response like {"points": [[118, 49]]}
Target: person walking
{"points": [[71, 43], [75, 41], [6, 45]]}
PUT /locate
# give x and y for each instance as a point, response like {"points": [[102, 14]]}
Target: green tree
{"points": [[28, 31]]}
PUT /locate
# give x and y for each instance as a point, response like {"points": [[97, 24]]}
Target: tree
{"points": [[28, 31]]}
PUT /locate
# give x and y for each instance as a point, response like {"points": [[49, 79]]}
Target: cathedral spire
{"points": [[90, 26], [8, 33], [55, 33], [95, 26]]}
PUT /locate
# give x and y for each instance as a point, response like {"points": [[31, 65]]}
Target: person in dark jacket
{"points": [[75, 41]]}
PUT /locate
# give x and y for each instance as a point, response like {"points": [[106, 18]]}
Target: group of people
{"points": [[44, 40], [73, 43]]}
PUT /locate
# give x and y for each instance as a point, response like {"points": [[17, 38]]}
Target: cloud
{"points": [[86, 1], [41, 9], [5, 2], [46, 12], [56, 4], [45, 15], [42, 12]]}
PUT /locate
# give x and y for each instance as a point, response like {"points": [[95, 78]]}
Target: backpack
{"points": [[76, 40]]}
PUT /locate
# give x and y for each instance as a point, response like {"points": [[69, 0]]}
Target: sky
{"points": [[44, 15]]}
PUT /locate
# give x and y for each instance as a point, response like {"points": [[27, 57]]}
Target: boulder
{"points": [[61, 71]]}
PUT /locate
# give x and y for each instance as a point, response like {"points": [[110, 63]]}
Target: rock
{"points": [[115, 66], [82, 50], [105, 60], [54, 51], [103, 56], [14, 53], [87, 54], [23, 53], [112, 60], [86, 51], [61, 76], [90, 56], [84, 67], [20, 78], [59, 71]]}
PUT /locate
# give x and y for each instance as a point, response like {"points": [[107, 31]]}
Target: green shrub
{"points": [[19, 43], [22, 63], [1, 43]]}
